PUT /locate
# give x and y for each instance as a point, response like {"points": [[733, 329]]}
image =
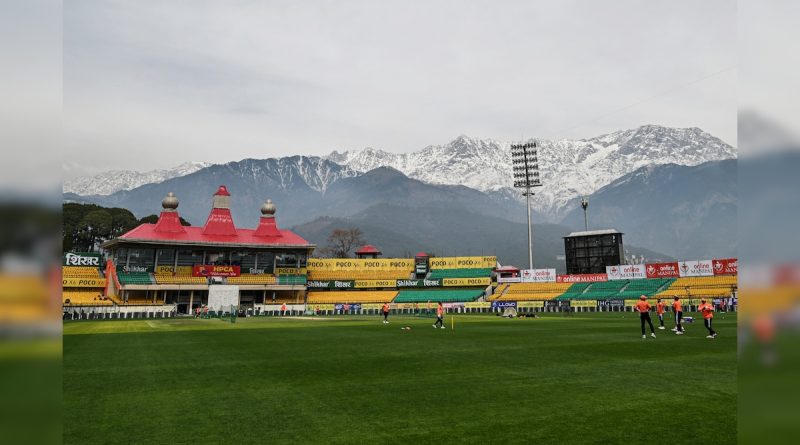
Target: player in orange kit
{"points": [[386, 312], [707, 310], [660, 312], [677, 308], [644, 315], [439, 316]]}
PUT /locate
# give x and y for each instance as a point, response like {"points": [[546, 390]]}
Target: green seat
{"points": [[647, 287], [292, 279], [617, 289], [135, 278], [573, 292]]}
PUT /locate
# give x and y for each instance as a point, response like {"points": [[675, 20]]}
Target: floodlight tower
{"points": [[525, 168], [585, 205]]}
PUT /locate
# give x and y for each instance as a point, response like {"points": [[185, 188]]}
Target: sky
{"points": [[154, 84], [30, 99]]}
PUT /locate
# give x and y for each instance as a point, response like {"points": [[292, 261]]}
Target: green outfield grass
{"points": [[584, 379]]}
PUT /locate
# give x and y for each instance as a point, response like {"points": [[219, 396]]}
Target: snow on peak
{"points": [[112, 181], [569, 168]]}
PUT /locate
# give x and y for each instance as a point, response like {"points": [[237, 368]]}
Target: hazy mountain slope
{"points": [[686, 212], [403, 231]]}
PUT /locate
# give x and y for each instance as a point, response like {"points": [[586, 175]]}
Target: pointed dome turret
{"points": [[267, 225], [220, 221], [169, 221]]}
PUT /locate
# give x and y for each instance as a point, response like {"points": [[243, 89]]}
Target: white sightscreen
{"points": [[221, 297]]}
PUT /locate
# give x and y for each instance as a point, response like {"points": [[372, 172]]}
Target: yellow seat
{"points": [[252, 279], [375, 296], [84, 297], [698, 287], [80, 272], [179, 279], [498, 291], [523, 288], [531, 291]]}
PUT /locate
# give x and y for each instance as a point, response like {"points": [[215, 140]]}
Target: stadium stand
{"points": [[534, 291], [718, 286], [84, 297], [460, 273], [445, 296], [351, 297], [253, 279]]}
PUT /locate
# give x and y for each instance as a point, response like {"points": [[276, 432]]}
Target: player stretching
{"points": [[644, 315], [386, 312], [677, 308], [708, 314], [660, 311], [439, 315]]}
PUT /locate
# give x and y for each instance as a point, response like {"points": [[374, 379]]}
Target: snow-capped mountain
{"points": [[569, 168], [296, 184], [112, 181]]}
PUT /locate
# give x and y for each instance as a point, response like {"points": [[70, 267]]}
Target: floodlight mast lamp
{"points": [[585, 205], [525, 168]]}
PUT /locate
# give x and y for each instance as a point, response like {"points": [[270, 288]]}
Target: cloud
{"points": [[151, 86]]}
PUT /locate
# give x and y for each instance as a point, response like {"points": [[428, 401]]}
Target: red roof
{"points": [[219, 229], [147, 232], [369, 248], [421, 254]]}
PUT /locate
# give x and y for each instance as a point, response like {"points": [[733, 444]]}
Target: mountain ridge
{"points": [[569, 168], [112, 181]]}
